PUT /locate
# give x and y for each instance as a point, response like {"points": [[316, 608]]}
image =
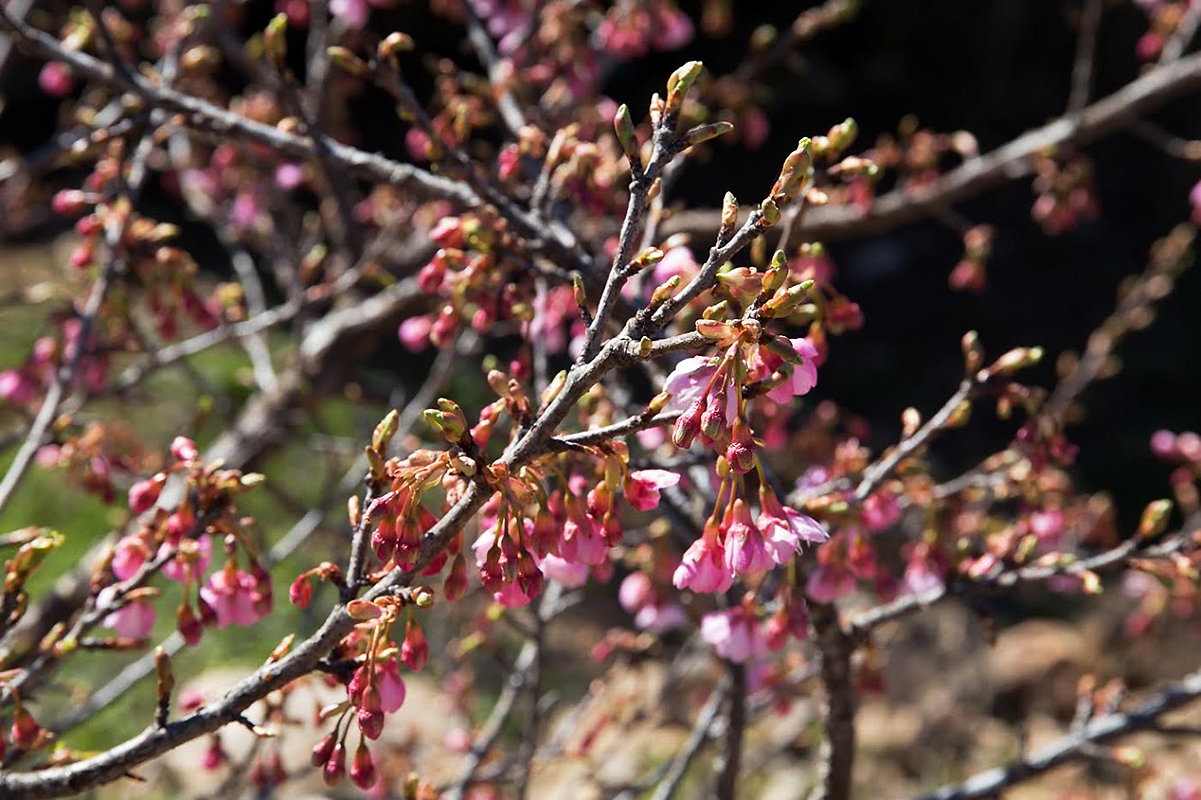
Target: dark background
{"points": [[994, 68]]}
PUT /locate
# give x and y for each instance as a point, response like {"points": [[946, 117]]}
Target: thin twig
{"points": [[1086, 49], [1073, 746]]}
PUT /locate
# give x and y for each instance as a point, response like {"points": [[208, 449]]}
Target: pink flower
{"points": [[569, 574], [414, 333], [580, 541], [1163, 442], [829, 582], [922, 574], [55, 79], [665, 617], [651, 438], [128, 557], [175, 569], [785, 528], [734, 634], [288, 176], [16, 387], [1047, 525], [688, 382], [672, 30], [804, 375], [245, 210], [391, 686], [636, 590], [135, 619], [746, 552], [233, 595], [703, 568], [642, 487], [184, 449], [880, 510], [352, 12], [145, 493]]}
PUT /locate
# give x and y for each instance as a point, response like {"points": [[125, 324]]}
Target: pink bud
{"points": [[335, 766], [69, 202], [55, 79], [184, 449], [362, 769], [301, 591], [145, 493]]}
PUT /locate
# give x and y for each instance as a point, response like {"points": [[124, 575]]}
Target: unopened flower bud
{"points": [[1018, 358], [381, 438], [664, 291], [344, 59], [703, 133], [393, 43], [624, 127], [795, 175], [973, 353], [1154, 519], [335, 766], [275, 39], [785, 304], [678, 85], [770, 212], [362, 769]]}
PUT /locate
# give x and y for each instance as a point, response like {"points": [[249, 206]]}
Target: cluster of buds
{"points": [[970, 274], [917, 155], [1065, 193], [178, 542], [375, 687]]}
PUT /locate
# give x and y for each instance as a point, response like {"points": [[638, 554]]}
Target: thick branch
{"points": [[977, 175]]}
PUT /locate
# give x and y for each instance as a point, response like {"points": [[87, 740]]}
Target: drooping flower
{"points": [[129, 556], [703, 568], [829, 582], [804, 375], [233, 595], [642, 487], [135, 619], [745, 550], [786, 528], [735, 634], [689, 382]]}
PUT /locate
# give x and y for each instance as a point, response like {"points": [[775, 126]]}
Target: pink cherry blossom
{"points": [[829, 582], [804, 375], [581, 543], [786, 528], [746, 552], [880, 511], [175, 570], [660, 617], [569, 574], [128, 557], [414, 333], [687, 383], [636, 590], [232, 595], [642, 487], [703, 568], [289, 175], [921, 573], [673, 28], [55, 79], [391, 686], [135, 619], [734, 634], [352, 12]]}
